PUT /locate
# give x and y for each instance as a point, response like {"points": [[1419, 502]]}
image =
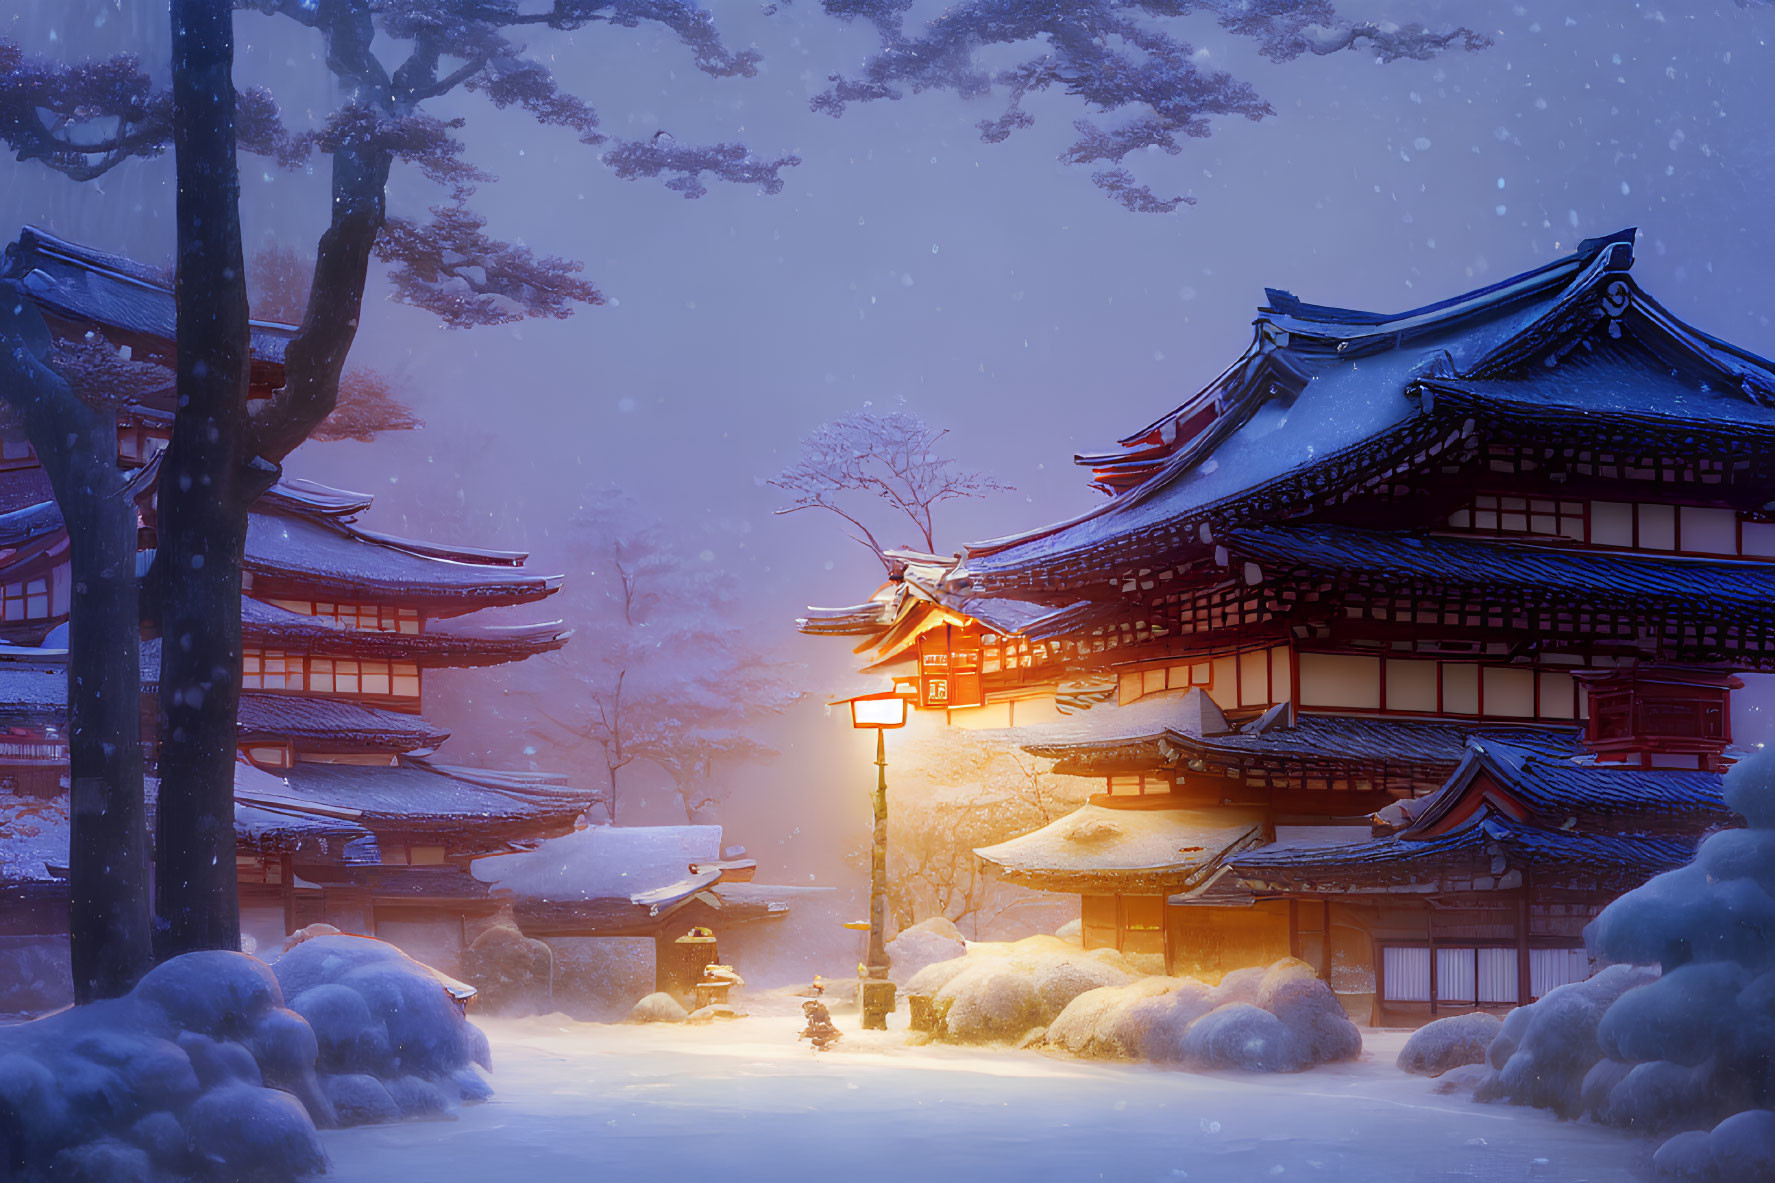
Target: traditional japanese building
{"points": [[345, 810], [1423, 629]]}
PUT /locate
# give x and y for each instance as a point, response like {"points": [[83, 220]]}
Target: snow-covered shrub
{"points": [[1278, 1018], [510, 970], [658, 1007], [1740, 1149], [202, 1073], [997, 992], [1145, 1020], [1543, 1052], [924, 943], [1693, 1048], [1241, 1035], [1095, 1004], [1306, 1006], [1449, 1043]]}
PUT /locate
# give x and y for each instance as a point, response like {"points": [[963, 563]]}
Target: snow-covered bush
{"points": [[1144, 1020], [1687, 1050], [202, 1072], [1098, 1005], [1275, 1019], [658, 1007], [1449, 1043], [922, 944], [1742, 1147], [999, 992], [510, 970]]}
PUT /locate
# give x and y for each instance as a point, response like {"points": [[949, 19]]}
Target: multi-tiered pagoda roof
{"points": [[1533, 518]]}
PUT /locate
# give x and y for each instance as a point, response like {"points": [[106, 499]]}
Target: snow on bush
{"points": [[1449, 1043], [1685, 1050], [922, 944], [658, 1007], [1275, 1019], [1096, 1004], [998, 992], [203, 1072]]}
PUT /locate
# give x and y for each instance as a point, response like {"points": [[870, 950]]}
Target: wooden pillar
{"points": [[1293, 927], [1325, 940], [286, 870], [1524, 981], [1430, 927]]}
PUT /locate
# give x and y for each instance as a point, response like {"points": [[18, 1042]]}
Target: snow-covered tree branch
{"points": [[862, 465]]}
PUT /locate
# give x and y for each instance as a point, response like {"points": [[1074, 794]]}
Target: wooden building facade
{"points": [[345, 810], [1516, 538]]}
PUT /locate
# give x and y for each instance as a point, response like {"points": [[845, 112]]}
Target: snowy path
{"points": [[744, 1101]]}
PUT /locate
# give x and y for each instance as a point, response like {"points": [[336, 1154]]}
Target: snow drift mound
{"points": [[922, 944], [202, 1072], [1279, 1019], [1685, 1050]]}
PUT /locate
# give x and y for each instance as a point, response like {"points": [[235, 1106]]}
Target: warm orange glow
{"points": [[878, 710]]}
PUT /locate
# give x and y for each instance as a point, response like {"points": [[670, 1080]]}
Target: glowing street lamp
{"points": [[878, 713]]}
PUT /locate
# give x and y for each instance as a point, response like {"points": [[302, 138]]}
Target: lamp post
{"points": [[878, 713]]}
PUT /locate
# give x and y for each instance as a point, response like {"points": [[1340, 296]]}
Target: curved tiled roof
{"points": [[334, 559], [441, 644], [1523, 844], [317, 719], [1328, 549], [415, 795]]}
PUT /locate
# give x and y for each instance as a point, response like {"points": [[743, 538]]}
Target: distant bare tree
{"points": [[661, 670], [954, 792], [856, 465]]}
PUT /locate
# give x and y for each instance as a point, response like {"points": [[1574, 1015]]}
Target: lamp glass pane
{"points": [[878, 712]]}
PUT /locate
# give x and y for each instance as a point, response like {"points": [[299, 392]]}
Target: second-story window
{"points": [[1619, 525], [275, 669], [373, 618]]}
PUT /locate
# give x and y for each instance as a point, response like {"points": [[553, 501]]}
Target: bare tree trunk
{"points": [[206, 486], [108, 923], [109, 928]]}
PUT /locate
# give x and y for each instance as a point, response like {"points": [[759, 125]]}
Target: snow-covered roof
{"points": [[117, 293], [335, 558], [330, 719], [1319, 385], [1169, 724], [1160, 715], [1098, 846], [443, 643], [414, 794], [1558, 791], [604, 862], [1323, 548], [34, 832], [1490, 845]]}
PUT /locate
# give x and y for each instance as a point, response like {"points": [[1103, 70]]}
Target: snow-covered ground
{"points": [[745, 1100]]}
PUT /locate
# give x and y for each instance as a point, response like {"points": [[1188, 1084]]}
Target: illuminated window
{"points": [[269, 755], [370, 618], [274, 669]]}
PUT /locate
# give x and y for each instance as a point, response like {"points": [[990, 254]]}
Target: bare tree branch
{"points": [[878, 460]]}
